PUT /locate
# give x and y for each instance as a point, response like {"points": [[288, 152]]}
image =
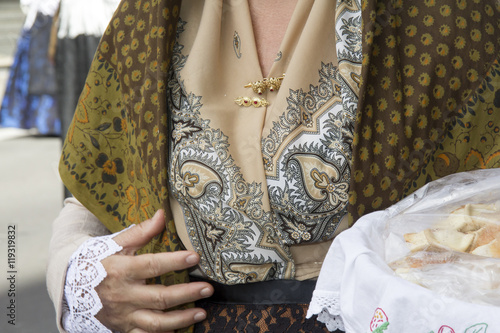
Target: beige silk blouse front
{"points": [[259, 179]]}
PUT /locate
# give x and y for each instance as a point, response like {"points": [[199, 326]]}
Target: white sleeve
{"points": [[85, 271], [74, 225]]}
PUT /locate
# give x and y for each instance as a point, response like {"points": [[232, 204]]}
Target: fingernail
{"points": [[200, 316], [207, 292], [192, 259], [156, 214]]}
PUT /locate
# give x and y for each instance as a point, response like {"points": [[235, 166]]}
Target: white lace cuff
{"points": [[85, 271], [327, 306]]}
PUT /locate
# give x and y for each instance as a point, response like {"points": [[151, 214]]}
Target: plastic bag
{"points": [[448, 240], [358, 291]]}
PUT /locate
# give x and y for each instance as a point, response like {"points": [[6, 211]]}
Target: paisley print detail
{"points": [[237, 44]]}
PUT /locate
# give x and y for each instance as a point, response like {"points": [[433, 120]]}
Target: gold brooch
{"points": [[255, 102], [272, 83]]}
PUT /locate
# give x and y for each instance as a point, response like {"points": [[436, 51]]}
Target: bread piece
{"points": [[450, 238], [492, 249]]}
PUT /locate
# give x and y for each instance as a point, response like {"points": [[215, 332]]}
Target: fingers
{"points": [[152, 265], [138, 236], [158, 321], [157, 297]]}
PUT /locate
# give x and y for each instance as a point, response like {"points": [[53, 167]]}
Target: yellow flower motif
{"points": [[451, 104], [445, 10], [488, 27], [405, 152], [367, 132], [353, 198], [369, 37], [409, 70], [414, 164], [373, 70], [455, 83], [136, 75], [422, 121], [430, 3], [408, 90], [408, 131], [368, 190], [476, 16], [129, 19], [472, 75], [442, 49], [124, 6], [461, 22], [377, 203], [440, 70], [425, 59], [382, 104], [411, 30], [489, 10], [370, 90], [395, 117], [129, 62], [418, 144], [410, 50], [489, 48], [374, 169], [413, 11], [424, 79], [389, 61], [379, 126], [385, 183], [475, 34], [401, 175], [386, 82], [358, 176], [390, 162], [474, 55], [125, 50], [445, 30], [428, 20], [377, 148], [426, 39], [408, 110], [461, 4], [135, 44], [433, 135], [363, 154], [390, 41], [142, 57], [393, 139], [423, 100], [457, 62], [141, 25], [104, 47], [438, 91], [116, 22], [361, 209], [398, 95], [150, 148], [369, 110], [394, 195]]}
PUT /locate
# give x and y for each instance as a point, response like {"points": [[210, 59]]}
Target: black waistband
{"points": [[266, 292]]}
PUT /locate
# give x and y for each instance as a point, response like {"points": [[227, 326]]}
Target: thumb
{"points": [[139, 235]]}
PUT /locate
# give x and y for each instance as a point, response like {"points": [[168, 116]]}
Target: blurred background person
{"points": [[30, 97]]}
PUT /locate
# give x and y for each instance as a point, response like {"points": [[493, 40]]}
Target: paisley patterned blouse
{"points": [[258, 175]]}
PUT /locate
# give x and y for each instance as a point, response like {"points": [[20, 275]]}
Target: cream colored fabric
{"points": [[74, 225], [249, 183]]}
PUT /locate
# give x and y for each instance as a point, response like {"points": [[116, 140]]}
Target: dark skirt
{"points": [[270, 306]]}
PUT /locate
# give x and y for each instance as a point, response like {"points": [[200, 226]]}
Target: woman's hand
{"points": [[129, 305]]}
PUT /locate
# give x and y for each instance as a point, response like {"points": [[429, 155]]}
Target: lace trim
{"points": [[327, 306], [81, 302]]}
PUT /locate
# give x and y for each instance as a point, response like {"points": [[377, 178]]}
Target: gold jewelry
{"points": [[272, 83], [255, 102]]}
